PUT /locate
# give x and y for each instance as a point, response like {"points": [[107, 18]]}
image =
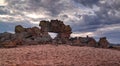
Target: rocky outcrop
{"points": [[84, 41], [57, 26], [41, 35], [76, 41], [92, 42], [103, 42], [5, 36], [33, 35], [24, 36], [19, 29], [36, 35]]}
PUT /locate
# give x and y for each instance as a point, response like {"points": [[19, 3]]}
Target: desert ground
{"points": [[61, 55]]}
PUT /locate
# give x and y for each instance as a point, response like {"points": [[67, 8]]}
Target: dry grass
{"points": [[62, 55]]}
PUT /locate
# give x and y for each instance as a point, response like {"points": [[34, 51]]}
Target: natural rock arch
{"points": [[57, 26]]}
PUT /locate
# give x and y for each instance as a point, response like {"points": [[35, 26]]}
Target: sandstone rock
{"points": [[76, 41], [29, 42], [68, 29], [5, 36], [32, 35], [59, 27], [44, 25], [8, 44], [29, 30], [56, 26], [103, 42], [92, 42], [84, 40], [63, 35], [20, 37], [19, 29], [36, 31], [19, 42], [46, 37]]}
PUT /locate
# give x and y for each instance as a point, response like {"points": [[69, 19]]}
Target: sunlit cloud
{"points": [[3, 3], [36, 16], [83, 34], [108, 28]]}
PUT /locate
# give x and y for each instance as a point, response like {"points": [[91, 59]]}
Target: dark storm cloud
{"points": [[107, 14], [87, 2], [53, 7], [49, 5], [2, 12]]}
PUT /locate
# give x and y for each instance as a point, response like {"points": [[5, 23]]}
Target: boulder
{"points": [[36, 31], [19, 29], [44, 26], [103, 42], [58, 26], [92, 42], [77, 42], [84, 40]]}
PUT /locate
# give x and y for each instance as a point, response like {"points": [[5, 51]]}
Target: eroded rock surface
{"points": [[56, 26], [19, 29], [92, 42], [36, 35], [59, 27], [103, 42]]}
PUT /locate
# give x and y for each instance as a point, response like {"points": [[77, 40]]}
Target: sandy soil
{"points": [[62, 55]]}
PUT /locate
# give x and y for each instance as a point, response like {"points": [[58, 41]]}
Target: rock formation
{"points": [[92, 42], [57, 26], [19, 29], [76, 41], [103, 42], [84, 41], [36, 35], [33, 35]]}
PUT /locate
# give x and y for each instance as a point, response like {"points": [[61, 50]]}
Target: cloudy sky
{"points": [[96, 18]]}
